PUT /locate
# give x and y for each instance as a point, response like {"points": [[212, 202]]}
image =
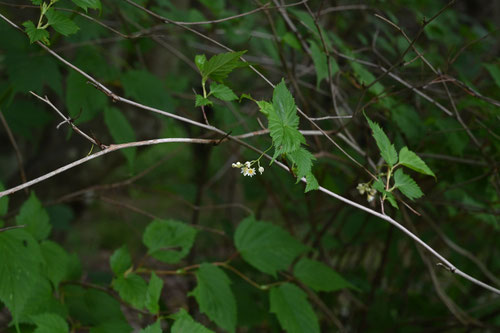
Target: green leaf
{"points": [[494, 71], [146, 88], [122, 132], [20, 260], [61, 23], [112, 327], [34, 217], [312, 183], [265, 246], [92, 307], [265, 107], [202, 101], [284, 122], [50, 323], [321, 63], [222, 92], [319, 276], [85, 4], [406, 185], [215, 297], [153, 328], [294, 312], [36, 34], [120, 261], [387, 149], [4, 201], [219, 66], [184, 323], [57, 263], [132, 289], [411, 160], [154, 293], [200, 60], [31, 72], [379, 186], [168, 241], [41, 300], [303, 160], [290, 39], [82, 99]]}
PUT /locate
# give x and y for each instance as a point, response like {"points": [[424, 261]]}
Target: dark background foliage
{"points": [[98, 207]]}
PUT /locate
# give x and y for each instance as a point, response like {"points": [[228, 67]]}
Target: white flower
{"points": [[261, 170], [249, 172], [237, 165], [244, 170], [247, 164], [361, 188], [370, 197]]}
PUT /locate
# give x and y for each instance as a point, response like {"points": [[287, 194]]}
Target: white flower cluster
{"points": [[366, 188], [246, 168]]}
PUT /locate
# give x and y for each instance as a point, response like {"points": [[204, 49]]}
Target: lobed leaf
{"points": [[120, 261], [35, 34]]}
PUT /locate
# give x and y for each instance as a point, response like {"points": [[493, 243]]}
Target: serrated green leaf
{"points": [[122, 132], [319, 276], [34, 217], [35, 34], [294, 312], [265, 246], [284, 122], [82, 99], [385, 146], [222, 92], [168, 241], [312, 183], [406, 185], [494, 71], [56, 266], [61, 23], [4, 201], [214, 296], [321, 63], [184, 323], [154, 293], [265, 107], [120, 261], [50, 323], [202, 101], [20, 260], [132, 289], [219, 66], [153, 328], [411, 160], [85, 4], [303, 160]]}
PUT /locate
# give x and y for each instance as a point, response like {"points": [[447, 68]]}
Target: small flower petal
{"points": [[261, 170]]}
